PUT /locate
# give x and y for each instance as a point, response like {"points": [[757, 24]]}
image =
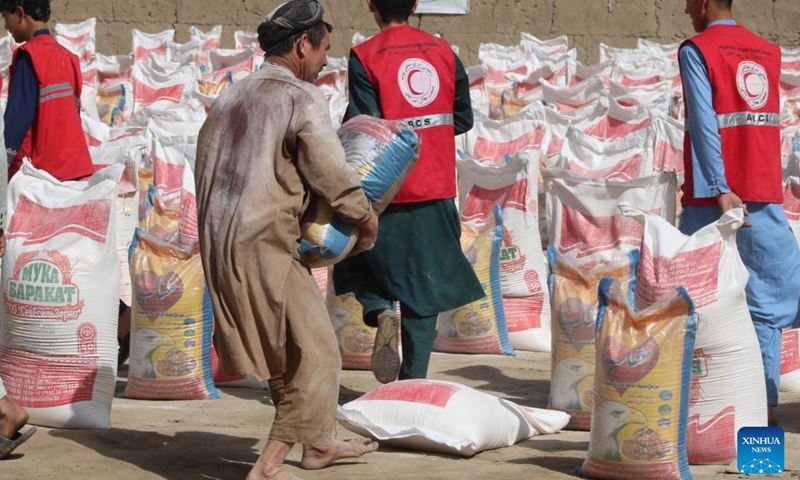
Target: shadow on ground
{"points": [[184, 456], [531, 393]]}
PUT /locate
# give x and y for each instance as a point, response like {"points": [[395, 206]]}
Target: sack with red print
{"points": [[624, 159], [585, 225], [444, 417], [208, 40], [667, 144], [656, 96], [161, 92], [94, 131], [239, 63], [523, 281], [552, 46], [112, 69], [489, 141], [567, 99], [58, 346], [243, 40], [790, 361], [668, 51], [624, 120], [631, 55], [707, 264], [78, 38], [790, 59], [585, 72], [146, 43], [591, 118]]}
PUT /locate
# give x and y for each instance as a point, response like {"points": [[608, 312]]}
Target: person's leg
{"points": [[769, 251], [354, 274], [418, 336], [306, 387], [12, 416]]}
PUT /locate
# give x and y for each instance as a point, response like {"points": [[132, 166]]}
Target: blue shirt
{"points": [[708, 167], [23, 100]]}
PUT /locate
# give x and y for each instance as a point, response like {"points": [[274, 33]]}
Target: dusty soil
{"points": [[221, 439]]}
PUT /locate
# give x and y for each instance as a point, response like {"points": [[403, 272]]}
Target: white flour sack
{"points": [[642, 376], [444, 417], [790, 361], [79, 38], [238, 63], [58, 347], [592, 118], [708, 266], [584, 223], [146, 43], [489, 141], [585, 72], [624, 120], [161, 92], [624, 159], [567, 99], [382, 154], [552, 46], [522, 271], [667, 144]]}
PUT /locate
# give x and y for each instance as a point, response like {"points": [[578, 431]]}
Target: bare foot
{"points": [[270, 472], [12, 417], [320, 456]]}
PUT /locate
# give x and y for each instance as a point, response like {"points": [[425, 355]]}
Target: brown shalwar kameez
{"points": [[267, 146]]}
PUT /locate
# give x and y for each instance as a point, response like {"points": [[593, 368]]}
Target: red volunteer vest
{"points": [[744, 71], [414, 74], [55, 142]]}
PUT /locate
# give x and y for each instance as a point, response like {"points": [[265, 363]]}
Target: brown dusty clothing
{"points": [[266, 148]]}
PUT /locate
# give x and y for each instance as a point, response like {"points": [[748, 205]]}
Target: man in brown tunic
{"points": [[267, 147]]}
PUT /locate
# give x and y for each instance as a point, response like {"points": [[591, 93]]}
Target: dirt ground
{"points": [[221, 439]]}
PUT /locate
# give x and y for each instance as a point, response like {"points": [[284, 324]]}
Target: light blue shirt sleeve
{"points": [[708, 168]]}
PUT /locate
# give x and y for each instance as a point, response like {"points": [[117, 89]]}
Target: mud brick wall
{"points": [[587, 22]]}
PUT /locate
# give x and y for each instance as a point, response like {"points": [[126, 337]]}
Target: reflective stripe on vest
{"points": [[741, 119], [52, 92], [428, 121]]}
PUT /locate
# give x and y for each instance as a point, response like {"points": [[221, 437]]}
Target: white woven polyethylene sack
{"points": [[58, 347], [523, 276], [444, 417], [584, 223], [707, 264]]}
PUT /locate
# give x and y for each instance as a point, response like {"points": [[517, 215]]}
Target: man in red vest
{"points": [[43, 112], [732, 159], [404, 73]]}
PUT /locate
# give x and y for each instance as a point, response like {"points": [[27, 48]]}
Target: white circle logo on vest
{"points": [[418, 81], [751, 79]]}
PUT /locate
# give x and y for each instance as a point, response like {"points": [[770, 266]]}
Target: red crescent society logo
{"points": [[418, 81], [751, 80]]}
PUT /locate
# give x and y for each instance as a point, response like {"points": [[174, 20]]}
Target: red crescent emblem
{"points": [[408, 81], [745, 78]]}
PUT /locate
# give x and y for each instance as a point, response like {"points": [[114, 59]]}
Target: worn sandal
{"points": [[7, 445], [385, 360]]}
